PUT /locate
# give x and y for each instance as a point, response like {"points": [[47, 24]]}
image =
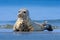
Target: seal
{"points": [[23, 22]]}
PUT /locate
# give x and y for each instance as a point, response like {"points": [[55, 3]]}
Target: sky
{"points": [[38, 9]]}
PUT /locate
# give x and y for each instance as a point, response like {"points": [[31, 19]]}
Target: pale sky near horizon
{"points": [[39, 9]]}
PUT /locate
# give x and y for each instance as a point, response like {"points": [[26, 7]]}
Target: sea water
{"points": [[9, 34]]}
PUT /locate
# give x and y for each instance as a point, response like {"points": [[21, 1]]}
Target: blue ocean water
{"points": [[7, 22], [9, 34]]}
